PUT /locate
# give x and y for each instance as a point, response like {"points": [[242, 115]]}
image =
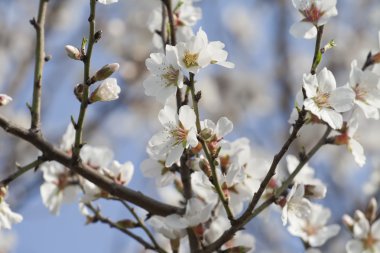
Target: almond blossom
{"points": [[108, 90], [296, 206], [179, 132], [7, 217], [314, 188], [155, 168], [185, 16], [5, 99], [165, 75], [366, 235], [347, 137], [315, 13], [198, 53], [326, 101], [367, 93], [313, 229]]}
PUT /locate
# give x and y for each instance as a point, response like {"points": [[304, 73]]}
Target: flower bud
{"points": [[348, 222], [107, 91], [205, 167], [376, 58], [105, 72], [317, 191], [78, 91], [4, 99], [73, 52], [206, 134], [3, 192], [371, 210]]}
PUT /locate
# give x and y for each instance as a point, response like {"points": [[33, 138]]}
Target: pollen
{"points": [[360, 93], [179, 134], [171, 76], [190, 60], [322, 100]]}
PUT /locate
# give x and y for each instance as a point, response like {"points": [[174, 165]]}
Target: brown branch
{"points": [[39, 26], [99, 217], [51, 153]]}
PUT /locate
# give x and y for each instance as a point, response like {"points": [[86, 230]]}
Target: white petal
{"points": [[310, 84], [326, 81], [342, 99], [223, 127], [174, 155], [331, 117], [303, 30], [187, 116], [357, 151]]}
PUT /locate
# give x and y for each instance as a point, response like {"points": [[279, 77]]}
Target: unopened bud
{"points": [[317, 191], [348, 222], [175, 243], [205, 167], [328, 46], [78, 91], [376, 58], [126, 223], [73, 52], [3, 192], [4, 99], [105, 72], [107, 91], [371, 210], [206, 134]]}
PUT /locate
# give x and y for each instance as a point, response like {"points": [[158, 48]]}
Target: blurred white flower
{"points": [[312, 229], [108, 90], [347, 137], [315, 13], [7, 217], [366, 235], [296, 206], [326, 101], [107, 1], [4, 99], [367, 93]]}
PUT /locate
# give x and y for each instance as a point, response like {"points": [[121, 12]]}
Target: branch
{"points": [[227, 235], [21, 170], [86, 77], [51, 153], [209, 157], [142, 225], [39, 26], [98, 217]]}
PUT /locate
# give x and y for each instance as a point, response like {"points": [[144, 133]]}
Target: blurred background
{"points": [[258, 96]]}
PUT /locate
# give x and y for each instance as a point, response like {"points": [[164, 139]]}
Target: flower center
{"points": [[179, 134], [369, 242], [171, 76], [360, 93], [190, 60], [322, 100], [312, 14]]}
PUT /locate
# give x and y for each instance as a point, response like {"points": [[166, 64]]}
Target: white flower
{"points": [[296, 207], [198, 53], [107, 1], [223, 127], [156, 169], [366, 236], [313, 229], [313, 186], [326, 101], [185, 15], [108, 90], [179, 133], [159, 224], [365, 85], [347, 137], [58, 187], [7, 242], [7, 217], [315, 13], [4, 99], [165, 75], [120, 173], [197, 212]]}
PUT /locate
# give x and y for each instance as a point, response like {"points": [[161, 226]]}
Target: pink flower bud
{"points": [[105, 72], [107, 91]]}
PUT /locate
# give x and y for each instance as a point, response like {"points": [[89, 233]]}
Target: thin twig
{"points": [[86, 77], [21, 170], [99, 217], [142, 225], [206, 150], [39, 26]]}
